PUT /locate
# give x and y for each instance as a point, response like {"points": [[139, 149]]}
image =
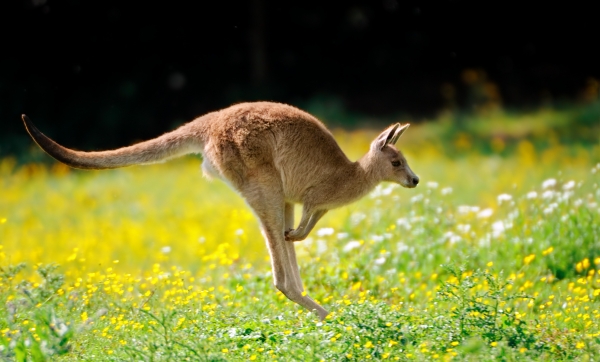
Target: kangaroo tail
{"points": [[170, 145]]}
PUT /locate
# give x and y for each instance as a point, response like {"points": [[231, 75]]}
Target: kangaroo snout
{"points": [[410, 182]]}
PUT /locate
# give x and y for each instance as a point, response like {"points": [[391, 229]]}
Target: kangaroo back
{"points": [[173, 144]]}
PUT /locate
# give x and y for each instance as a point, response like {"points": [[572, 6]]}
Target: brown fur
{"points": [[274, 155]]}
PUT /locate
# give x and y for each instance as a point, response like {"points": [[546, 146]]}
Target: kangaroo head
{"points": [[387, 162]]}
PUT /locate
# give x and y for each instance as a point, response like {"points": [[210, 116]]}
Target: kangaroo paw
{"points": [[290, 235], [286, 234]]}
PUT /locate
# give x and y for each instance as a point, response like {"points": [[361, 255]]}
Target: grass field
{"points": [[495, 256]]}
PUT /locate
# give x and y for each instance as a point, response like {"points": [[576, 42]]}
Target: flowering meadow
{"points": [[494, 256]]}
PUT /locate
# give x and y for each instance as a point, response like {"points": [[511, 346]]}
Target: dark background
{"points": [[104, 74]]}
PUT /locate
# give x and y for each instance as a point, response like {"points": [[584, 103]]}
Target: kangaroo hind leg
{"points": [[266, 199]]}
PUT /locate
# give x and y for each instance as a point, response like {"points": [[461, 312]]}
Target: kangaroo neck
{"points": [[367, 171], [359, 182]]}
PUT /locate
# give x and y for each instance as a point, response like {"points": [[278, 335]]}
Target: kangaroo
{"points": [[275, 156]]}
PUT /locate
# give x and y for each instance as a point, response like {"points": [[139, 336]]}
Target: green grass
{"points": [[485, 260]]}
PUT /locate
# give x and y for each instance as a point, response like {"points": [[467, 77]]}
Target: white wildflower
{"points": [[239, 232], [452, 237], [498, 228], [403, 222], [504, 197], [61, 328], [485, 241], [377, 238], [548, 194], [380, 260], [165, 249], [341, 236], [417, 219], [388, 190], [357, 217], [432, 185], [485, 213], [463, 228], [324, 232], [532, 195], [446, 190], [549, 183], [401, 247], [565, 196], [416, 198], [377, 192], [550, 208], [569, 185], [321, 246], [351, 245], [465, 209]]}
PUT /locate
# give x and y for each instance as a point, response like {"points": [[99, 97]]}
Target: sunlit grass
{"points": [[494, 255]]}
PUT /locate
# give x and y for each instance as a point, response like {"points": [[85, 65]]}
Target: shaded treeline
{"points": [[104, 74]]}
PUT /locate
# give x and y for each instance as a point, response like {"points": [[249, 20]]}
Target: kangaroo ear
{"points": [[384, 137], [399, 133]]}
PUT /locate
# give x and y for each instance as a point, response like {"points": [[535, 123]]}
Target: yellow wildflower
{"points": [[528, 259]]}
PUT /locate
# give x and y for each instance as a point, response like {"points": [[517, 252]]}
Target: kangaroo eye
{"points": [[396, 163]]}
